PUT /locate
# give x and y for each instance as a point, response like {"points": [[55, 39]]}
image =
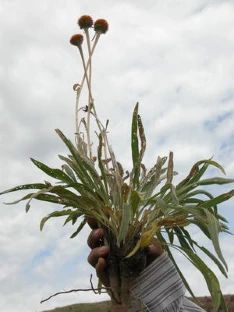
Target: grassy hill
{"points": [[104, 306]]}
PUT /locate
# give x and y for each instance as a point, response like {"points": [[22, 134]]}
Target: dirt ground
{"points": [[206, 304]]}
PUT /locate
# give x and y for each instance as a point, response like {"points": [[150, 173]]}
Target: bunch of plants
{"points": [[132, 206]]}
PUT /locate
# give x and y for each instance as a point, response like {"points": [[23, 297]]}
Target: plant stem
{"points": [[82, 83], [90, 100]]}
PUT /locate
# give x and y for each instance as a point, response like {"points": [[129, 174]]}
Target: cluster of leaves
{"points": [[142, 204], [134, 207]]}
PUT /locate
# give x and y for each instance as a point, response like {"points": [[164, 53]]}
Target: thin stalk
{"points": [[90, 101], [104, 136], [82, 82]]}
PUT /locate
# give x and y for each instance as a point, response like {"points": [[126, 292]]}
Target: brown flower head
{"points": [[85, 21], [101, 26], [77, 40]]}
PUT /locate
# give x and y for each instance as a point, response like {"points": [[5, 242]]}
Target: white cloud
{"points": [[174, 57]]}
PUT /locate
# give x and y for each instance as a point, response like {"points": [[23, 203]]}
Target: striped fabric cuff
{"points": [[159, 285]]}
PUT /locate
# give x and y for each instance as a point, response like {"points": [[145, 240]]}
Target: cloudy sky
{"points": [[176, 57]]}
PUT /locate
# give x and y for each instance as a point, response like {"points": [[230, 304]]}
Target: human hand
{"points": [[99, 253]]}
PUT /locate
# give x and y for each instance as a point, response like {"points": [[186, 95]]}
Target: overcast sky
{"points": [[176, 57]]}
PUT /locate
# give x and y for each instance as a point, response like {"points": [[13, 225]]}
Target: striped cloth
{"points": [[160, 288]]}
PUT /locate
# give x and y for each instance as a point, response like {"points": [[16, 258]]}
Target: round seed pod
{"points": [[85, 21], [77, 40], [101, 26]]}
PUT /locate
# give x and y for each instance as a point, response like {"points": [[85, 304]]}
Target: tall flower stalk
{"points": [[132, 207]]}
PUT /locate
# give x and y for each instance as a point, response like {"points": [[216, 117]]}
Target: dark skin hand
{"points": [[98, 254]]}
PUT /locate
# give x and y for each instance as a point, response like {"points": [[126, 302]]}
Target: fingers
{"points": [[154, 250], [95, 238], [101, 272], [101, 265], [96, 253]]}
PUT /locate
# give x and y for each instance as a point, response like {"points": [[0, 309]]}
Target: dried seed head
{"points": [[77, 40], [85, 21], [101, 26], [76, 86]]}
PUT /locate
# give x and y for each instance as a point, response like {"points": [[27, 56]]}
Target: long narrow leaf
{"points": [[142, 138], [213, 258], [213, 228], [216, 180], [100, 163], [54, 173], [170, 168], [211, 280], [217, 200], [164, 243], [86, 168], [135, 148], [80, 227], [54, 214], [32, 186], [125, 219]]}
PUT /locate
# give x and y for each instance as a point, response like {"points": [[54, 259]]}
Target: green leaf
{"points": [[217, 200], [54, 214], [125, 220], [196, 173], [74, 215], [173, 194], [202, 170], [213, 228], [135, 148], [134, 202], [80, 227], [51, 199], [184, 244], [212, 257], [40, 196], [211, 280], [170, 235], [202, 227], [164, 244], [76, 169], [69, 172], [84, 167], [216, 180], [152, 179], [197, 192], [31, 186], [188, 237], [54, 173], [100, 163]]}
